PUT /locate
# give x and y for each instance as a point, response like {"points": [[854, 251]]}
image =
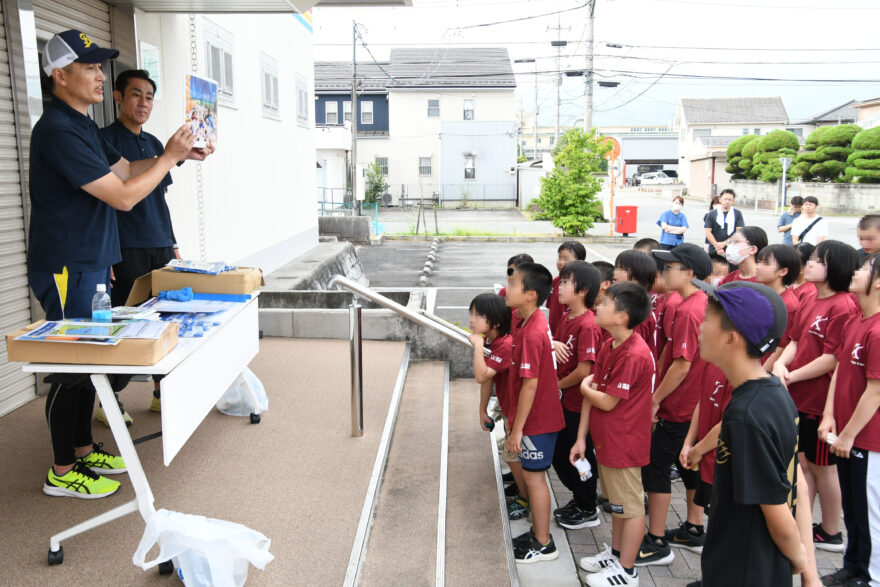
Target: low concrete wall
{"points": [[346, 228], [314, 269], [834, 198]]}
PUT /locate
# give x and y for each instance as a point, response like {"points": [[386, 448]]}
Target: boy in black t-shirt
{"points": [[753, 538]]}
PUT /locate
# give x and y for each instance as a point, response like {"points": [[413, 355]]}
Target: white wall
{"points": [[259, 187]]}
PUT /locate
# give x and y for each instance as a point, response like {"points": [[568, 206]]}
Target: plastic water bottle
{"points": [[101, 311]]}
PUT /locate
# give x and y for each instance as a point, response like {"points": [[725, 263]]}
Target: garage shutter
{"points": [[89, 16], [16, 388]]}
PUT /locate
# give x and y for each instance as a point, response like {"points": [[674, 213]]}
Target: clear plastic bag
{"points": [[237, 401], [206, 552]]}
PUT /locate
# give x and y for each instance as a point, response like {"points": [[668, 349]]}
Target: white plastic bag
{"points": [[206, 552], [238, 402]]}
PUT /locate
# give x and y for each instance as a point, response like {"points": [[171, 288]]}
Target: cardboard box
{"points": [[244, 280], [131, 351]]}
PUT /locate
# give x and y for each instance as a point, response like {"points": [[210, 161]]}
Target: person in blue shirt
{"points": [[673, 224], [76, 181], [146, 236], [787, 218]]}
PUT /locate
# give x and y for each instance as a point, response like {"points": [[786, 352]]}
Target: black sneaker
{"points": [[825, 541], [695, 584], [559, 512], [654, 552], [601, 499], [674, 474], [522, 538], [511, 492], [577, 518], [518, 510], [838, 578], [507, 478], [684, 537], [532, 551]]}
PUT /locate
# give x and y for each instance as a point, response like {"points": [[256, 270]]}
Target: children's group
{"points": [[754, 377]]}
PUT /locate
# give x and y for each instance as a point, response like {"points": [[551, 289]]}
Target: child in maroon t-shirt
{"points": [[778, 268], [744, 245], [617, 412], [852, 411], [535, 410], [566, 253], [641, 269], [575, 341], [806, 366]]}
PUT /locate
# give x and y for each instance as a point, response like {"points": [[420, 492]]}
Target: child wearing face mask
{"points": [[745, 243], [674, 225]]}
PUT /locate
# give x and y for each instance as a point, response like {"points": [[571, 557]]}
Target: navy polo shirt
{"points": [[69, 227], [148, 224]]}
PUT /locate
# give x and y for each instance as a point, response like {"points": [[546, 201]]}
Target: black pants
{"points": [[136, 262], [69, 412], [859, 476], [584, 492]]}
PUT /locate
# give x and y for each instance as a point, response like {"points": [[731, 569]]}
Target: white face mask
{"points": [[676, 207], [715, 281], [734, 253]]}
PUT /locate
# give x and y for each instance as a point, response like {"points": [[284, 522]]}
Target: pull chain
{"points": [[200, 184]]}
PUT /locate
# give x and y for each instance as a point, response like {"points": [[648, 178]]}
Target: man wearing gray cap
{"points": [[76, 181]]}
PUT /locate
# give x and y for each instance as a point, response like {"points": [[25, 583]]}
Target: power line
{"points": [[640, 94], [522, 18], [683, 48]]}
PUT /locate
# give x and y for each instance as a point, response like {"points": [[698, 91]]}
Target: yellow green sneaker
{"points": [[156, 404], [79, 482], [102, 462], [101, 417]]}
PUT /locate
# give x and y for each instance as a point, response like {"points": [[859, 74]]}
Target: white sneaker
{"points": [[613, 576], [599, 562]]}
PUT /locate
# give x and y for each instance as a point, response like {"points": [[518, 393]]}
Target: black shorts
{"points": [[703, 495], [817, 451], [666, 443], [136, 262]]}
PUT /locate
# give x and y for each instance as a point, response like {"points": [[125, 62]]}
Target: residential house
{"points": [[251, 203], [868, 113], [723, 117], [452, 129], [846, 113]]}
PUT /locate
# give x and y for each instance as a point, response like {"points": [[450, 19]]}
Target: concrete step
{"points": [[475, 548], [402, 547]]}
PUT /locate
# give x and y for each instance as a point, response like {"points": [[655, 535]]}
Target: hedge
{"points": [[859, 173], [866, 163], [751, 147], [864, 154], [841, 135], [867, 139], [832, 152], [735, 148], [778, 139]]}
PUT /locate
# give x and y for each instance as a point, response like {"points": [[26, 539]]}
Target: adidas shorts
{"points": [[817, 451], [537, 451]]}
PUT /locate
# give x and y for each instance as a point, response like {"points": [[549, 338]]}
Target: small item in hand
{"points": [[490, 425], [583, 467], [831, 438]]}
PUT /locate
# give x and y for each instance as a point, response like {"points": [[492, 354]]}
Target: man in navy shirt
{"points": [[146, 236], [76, 180]]}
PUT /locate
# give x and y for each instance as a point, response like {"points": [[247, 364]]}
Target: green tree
{"points": [[772, 146], [827, 150], [864, 162], [568, 193], [735, 155], [375, 184]]}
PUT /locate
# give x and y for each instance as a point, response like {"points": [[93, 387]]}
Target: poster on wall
{"points": [[150, 63], [201, 109]]}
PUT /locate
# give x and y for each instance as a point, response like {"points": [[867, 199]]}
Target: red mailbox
{"points": [[626, 219]]}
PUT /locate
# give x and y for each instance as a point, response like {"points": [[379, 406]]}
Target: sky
{"points": [[669, 49]]}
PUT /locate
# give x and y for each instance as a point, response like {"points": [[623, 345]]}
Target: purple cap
{"points": [[757, 311]]}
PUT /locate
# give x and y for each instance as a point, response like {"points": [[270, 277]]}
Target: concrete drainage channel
{"points": [[428, 269]]}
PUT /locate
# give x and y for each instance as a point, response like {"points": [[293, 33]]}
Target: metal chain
{"points": [[200, 184]]}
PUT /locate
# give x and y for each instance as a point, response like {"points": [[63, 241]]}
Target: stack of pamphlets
{"points": [[121, 313], [103, 333], [210, 268]]}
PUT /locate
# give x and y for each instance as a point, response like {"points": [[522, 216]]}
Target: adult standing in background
{"points": [[809, 227], [787, 218], [721, 223], [673, 224]]}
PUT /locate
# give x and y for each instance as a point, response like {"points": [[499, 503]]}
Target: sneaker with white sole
{"points": [[101, 417], [825, 541], [80, 482], [687, 538], [613, 576], [654, 552], [517, 510], [577, 518], [559, 512], [102, 462], [532, 551], [598, 562]]}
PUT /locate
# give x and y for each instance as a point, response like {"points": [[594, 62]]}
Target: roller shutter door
{"points": [[89, 16], [16, 388]]}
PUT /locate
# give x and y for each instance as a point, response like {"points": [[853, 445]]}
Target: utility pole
{"points": [[354, 117], [559, 44], [535, 118], [588, 102]]}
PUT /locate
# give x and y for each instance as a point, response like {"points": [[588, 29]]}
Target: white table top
{"points": [[185, 347]]}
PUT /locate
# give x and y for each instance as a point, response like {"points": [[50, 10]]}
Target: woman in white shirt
{"points": [[809, 227]]}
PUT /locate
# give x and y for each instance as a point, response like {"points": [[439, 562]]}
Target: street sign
{"points": [[614, 153]]}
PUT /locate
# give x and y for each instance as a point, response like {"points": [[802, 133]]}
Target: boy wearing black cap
{"points": [[755, 488], [674, 402], [76, 179]]}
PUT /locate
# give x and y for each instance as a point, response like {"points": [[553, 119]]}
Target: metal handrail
{"points": [[443, 322], [448, 330]]}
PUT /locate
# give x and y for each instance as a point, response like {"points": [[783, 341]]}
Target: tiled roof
{"points": [[447, 67], [733, 110], [335, 76], [845, 113]]}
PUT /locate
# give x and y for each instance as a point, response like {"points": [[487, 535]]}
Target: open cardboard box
{"points": [[130, 351], [241, 281]]}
